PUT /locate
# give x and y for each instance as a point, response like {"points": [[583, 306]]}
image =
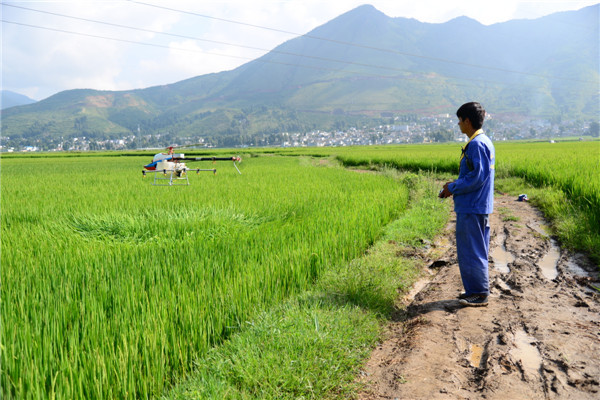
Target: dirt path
{"points": [[539, 338]]}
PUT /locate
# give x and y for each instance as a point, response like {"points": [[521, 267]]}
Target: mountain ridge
{"points": [[361, 63], [9, 99]]}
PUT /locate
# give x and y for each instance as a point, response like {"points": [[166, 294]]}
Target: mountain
{"points": [[356, 68], [11, 99]]}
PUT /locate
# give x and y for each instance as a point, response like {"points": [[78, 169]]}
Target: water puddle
{"points": [[501, 256], [575, 269], [572, 267], [549, 261], [476, 353], [524, 350]]}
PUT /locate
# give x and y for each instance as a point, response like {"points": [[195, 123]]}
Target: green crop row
{"points": [[573, 168], [111, 287]]}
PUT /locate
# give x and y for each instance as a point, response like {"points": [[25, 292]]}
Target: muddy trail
{"points": [[539, 337]]}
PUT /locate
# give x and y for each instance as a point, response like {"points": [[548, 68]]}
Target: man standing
{"points": [[473, 194]]}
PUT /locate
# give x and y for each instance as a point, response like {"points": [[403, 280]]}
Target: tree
{"points": [[416, 139], [594, 129], [442, 135]]}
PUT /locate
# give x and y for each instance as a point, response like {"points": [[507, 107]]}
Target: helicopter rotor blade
{"points": [[185, 146]]}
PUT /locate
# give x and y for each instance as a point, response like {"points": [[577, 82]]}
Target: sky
{"points": [[50, 46]]}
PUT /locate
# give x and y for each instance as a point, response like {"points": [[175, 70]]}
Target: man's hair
{"points": [[472, 111]]}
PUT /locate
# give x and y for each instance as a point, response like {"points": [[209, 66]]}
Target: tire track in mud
{"points": [[539, 338]]}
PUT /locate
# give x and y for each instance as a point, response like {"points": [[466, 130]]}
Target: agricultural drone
{"points": [[170, 167]]}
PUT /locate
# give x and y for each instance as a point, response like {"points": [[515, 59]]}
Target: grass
{"points": [[307, 348], [312, 346], [506, 215]]}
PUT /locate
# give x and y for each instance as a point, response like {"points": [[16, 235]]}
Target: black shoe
{"points": [[475, 300], [463, 295]]}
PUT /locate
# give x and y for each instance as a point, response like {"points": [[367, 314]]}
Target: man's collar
{"points": [[477, 132]]}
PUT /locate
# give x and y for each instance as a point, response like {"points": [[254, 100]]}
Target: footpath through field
{"points": [[539, 338]]}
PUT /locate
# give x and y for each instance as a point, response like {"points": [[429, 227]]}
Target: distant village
{"points": [[432, 129]]}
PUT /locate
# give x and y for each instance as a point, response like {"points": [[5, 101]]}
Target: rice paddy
{"points": [[112, 287]]}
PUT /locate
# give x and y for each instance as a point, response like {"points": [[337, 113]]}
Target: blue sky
{"points": [[40, 62]]}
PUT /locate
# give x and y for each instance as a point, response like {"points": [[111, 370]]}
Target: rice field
{"points": [[111, 286], [572, 167]]}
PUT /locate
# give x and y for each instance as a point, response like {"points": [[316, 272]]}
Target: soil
{"points": [[539, 337]]}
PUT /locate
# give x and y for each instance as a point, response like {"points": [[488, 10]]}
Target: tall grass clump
{"points": [[111, 287]]}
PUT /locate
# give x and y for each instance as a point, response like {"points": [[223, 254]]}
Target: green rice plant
{"points": [[112, 286], [573, 168], [313, 345]]}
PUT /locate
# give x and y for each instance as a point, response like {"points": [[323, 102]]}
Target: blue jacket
{"points": [[473, 191]]}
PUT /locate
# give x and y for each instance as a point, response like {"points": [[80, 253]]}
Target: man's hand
{"points": [[445, 192]]}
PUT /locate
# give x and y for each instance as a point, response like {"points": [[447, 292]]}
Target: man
{"points": [[473, 194]]}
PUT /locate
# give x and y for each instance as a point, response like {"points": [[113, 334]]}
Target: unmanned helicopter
{"points": [[169, 168]]}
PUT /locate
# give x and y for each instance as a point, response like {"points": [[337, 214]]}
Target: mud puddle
{"points": [[574, 268], [476, 354], [536, 339], [526, 353], [500, 255], [548, 263]]}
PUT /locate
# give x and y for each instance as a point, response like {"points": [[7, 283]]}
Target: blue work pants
{"points": [[472, 247]]}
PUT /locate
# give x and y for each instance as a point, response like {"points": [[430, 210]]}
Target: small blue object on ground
{"points": [[523, 197]]}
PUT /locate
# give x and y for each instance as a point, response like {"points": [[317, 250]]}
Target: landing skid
{"points": [[171, 177]]}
